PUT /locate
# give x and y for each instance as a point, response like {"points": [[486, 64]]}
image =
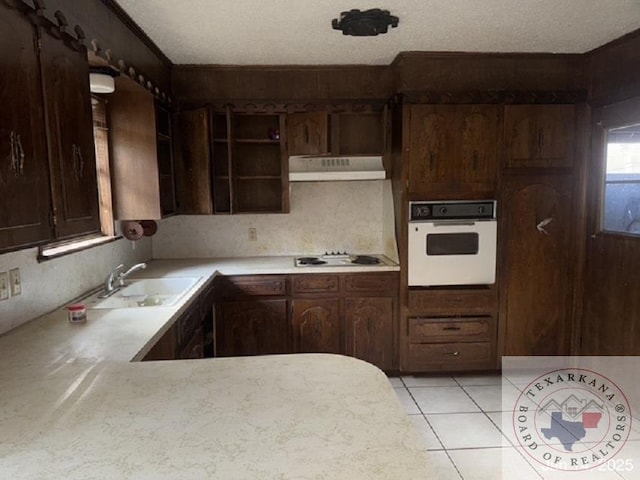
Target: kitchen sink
{"points": [[145, 292]]}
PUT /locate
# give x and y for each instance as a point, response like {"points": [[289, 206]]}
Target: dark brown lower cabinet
{"points": [[316, 325], [249, 327], [368, 330], [348, 314]]}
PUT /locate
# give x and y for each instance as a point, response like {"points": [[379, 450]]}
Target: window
{"points": [[621, 206], [101, 141]]}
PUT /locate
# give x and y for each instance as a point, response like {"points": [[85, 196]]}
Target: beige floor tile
{"points": [[494, 379], [407, 402], [494, 398], [417, 381], [492, 464], [430, 440], [396, 382], [443, 467], [466, 430], [443, 400]]}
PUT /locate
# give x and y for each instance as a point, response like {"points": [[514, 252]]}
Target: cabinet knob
{"points": [[455, 354]]}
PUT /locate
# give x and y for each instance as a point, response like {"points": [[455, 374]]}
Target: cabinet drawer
{"points": [[450, 356], [263, 285], [451, 302], [372, 282], [316, 283], [447, 329]]}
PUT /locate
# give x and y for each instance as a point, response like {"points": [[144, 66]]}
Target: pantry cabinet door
{"points": [[65, 77], [316, 326], [537, 262], [24, 172]]}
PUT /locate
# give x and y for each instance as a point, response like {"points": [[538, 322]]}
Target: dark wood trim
{"points": [[139, 32], [496, 97], [628, 37]]}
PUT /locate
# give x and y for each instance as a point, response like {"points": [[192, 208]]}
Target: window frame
{"points": [[604, 119]]}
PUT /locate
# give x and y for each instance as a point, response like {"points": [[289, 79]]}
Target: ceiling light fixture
{"points": [[101, 79], [368, 23]]}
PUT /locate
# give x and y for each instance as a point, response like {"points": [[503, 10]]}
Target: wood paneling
{"points": [[195, 85], [615, 70], [451, 72], [611, 309]]}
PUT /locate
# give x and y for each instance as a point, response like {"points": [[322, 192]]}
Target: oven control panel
{"points": [[452, 210]]}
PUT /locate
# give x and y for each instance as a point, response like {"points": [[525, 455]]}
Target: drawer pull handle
{"points": [[455, 354], [452, 329]]}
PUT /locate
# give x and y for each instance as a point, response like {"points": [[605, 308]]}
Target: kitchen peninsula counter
{"points": [[73, 406]]}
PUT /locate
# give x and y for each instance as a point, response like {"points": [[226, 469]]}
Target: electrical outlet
{"points": [[253, 234], [4, 285], [15, 282]]}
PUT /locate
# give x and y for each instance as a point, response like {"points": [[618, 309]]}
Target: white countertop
{"points": [[73, 406]]}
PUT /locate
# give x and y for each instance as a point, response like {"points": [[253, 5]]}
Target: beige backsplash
{"points": [[352, 216]]}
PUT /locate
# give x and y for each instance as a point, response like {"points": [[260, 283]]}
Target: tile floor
{"points": [[467, 429]]}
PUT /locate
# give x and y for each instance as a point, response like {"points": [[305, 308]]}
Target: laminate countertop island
{"points": [[70, 409]]}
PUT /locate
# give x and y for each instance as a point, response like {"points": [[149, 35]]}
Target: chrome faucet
{"points": [[115, 279]]}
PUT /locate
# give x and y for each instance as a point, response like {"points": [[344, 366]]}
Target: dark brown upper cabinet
{"points": [[452, 148], [308, 133], [338, 133], [538, 136], [24, 173], [65, 80], [134, 152]]}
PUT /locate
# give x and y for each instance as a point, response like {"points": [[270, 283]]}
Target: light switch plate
{"points": [[4, 285], [15, 282]]}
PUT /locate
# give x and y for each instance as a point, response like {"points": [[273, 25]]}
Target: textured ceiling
{"points": [[287, 32]]}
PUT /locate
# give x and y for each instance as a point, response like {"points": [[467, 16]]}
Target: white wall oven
{"points": [[452, 243]]}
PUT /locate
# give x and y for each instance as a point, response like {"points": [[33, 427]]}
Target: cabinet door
{"points": [[24, 179], [307, 133], [369, 330], [316, 326], [134, 153], [537, 281], [193, 162], [431, 147], [476, 141], [257, 327], [65, 77], [539, 135]]}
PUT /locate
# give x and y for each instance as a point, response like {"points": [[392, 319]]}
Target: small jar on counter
{"points": [[77, 313]]}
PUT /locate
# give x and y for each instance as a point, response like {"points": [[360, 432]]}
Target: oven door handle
{"points": [[449, 223]]}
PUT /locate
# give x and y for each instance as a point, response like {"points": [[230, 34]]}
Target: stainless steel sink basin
{"points": [[145, 292]]}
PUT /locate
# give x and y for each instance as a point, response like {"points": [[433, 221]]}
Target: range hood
{"points": [[318, 168]]}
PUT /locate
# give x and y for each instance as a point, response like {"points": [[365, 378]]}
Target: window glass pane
{"points": [[621, 209]]}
